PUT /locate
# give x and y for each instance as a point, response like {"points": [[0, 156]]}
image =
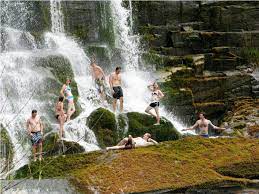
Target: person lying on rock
{"points": [[130, 142], [156, 95], [35, 131], [203, 125]]}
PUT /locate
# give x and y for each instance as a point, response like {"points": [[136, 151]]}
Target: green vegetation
{"points": [[176, 165], [143, 123], [103, 123], [52, 146], [61, 69]]}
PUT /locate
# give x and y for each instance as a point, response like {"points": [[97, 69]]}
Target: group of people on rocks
{"points": [[35, 125]]}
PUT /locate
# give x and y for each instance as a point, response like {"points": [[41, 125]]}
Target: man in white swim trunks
{"points": [[130, 142]]}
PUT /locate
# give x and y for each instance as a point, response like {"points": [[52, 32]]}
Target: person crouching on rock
{"points": [[35, 130], [60, 115], [129, 142], [203, 126], [156, 95], [66, 89]]}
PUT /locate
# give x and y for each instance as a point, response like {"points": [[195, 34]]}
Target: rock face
{"points": [[109, 131]]}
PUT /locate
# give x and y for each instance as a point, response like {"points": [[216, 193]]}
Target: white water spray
{"points": [[136, 94]]}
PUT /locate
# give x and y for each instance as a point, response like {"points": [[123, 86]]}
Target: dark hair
{"points": [[61, 99], [68, 79], [203, 113], [118, 68], [33, 111]]}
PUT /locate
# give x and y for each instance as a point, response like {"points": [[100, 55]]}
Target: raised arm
{"points": [[161, 94], [215, 127]]}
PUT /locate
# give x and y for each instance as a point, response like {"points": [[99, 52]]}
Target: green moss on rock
{"points": [[103, 123], [61, 69], [52, 146], [143, 123]]}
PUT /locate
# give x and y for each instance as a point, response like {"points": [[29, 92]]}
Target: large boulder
{"points": [[103, 123], [53, 146], [142, 123]]}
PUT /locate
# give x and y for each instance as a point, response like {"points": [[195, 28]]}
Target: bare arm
{"points": [[101, 70], [215, 127], [153, 141], [161, 94], [62, 90], [192, 127]]}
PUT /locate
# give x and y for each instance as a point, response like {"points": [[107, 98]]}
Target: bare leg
{"points": [[121, 104], [114, 104], [115, 147], [123, 142], [70, 110], [61, 124], [158, 116], [34, 149], [148, 110]]}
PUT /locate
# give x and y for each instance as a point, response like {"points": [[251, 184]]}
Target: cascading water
{"points": [[135, 80], [76, 130]]}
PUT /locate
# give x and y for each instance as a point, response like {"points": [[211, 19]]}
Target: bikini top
{"points": [[155, 96], [68, 90]]}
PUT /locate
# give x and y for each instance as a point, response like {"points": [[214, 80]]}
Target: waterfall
{"points": [[75, 130], [135, 79], [57, 19]]}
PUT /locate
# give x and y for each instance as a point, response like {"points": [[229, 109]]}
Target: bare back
{"points": [[97, 72]]}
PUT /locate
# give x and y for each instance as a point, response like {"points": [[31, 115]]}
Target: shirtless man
{"points": [[66, 90], [203, 125], [130, 142], [99, 78], [35, 131], [115, 84]]}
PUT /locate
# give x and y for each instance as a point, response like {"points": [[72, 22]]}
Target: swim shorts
{"points": [[118, 93]]}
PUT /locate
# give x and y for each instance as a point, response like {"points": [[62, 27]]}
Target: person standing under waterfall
{"points": [[156, 95], [35, 131], [99, 78], [203, 126], [115, 84], [66, 89], [60, 115]]}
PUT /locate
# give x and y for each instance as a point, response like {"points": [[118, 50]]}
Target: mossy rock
{"points": [[52, 146], [142, 123], [103, 123], [249, 170], [61, 69]]}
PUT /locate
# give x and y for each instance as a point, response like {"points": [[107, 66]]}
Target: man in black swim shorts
{"points": [[115, 84]]}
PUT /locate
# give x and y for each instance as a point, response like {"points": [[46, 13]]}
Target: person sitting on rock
{"points": [[129, 142], [156, 96], [203, 125]]}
